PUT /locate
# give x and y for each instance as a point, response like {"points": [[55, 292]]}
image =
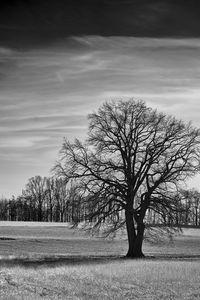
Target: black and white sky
{"points": [[59, 60]]}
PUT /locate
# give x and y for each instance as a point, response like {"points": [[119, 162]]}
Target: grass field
{"points": [[51, 261], [126, 279], [57, 240]]}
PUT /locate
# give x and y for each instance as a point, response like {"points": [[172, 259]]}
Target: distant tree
{"points": [[43, 199], [34, 193], [133, 160], [196, 207], [12, 208], [191, 203], [59, 199], [4, 209], [76, 205], [50, 201]]}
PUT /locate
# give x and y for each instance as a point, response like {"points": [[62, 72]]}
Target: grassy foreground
{"points": [[51, 261], [122, 279]]}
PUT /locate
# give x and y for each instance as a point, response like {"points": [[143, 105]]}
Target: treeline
{"points": [[185, 212], [43, 199], [51, 199]]}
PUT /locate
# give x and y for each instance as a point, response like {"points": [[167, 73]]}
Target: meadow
{"points": [[53, 261]]}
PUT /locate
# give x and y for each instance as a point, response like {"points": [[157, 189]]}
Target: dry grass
{"points": [[50, 261], [37, 240], [123, 279]]}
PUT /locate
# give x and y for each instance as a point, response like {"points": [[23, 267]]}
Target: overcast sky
{"points": [[47, 91]]}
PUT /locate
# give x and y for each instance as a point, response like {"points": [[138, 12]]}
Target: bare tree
{"points": [[133, 160], [50, 203], [35, 192], [55, 199], [191, 203], [59, 199], [196, 207]]}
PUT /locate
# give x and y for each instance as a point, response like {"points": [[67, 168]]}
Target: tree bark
{"points": [[130, 233], [134, 240], [139, 240]]}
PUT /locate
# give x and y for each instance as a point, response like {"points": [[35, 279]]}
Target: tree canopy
{"points": [[133, 160]]}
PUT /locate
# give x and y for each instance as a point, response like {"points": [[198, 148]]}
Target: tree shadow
{"points": [[58, 261], [55, 261]]}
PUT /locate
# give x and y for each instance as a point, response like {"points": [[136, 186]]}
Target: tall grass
{"points": [[122, 279]]}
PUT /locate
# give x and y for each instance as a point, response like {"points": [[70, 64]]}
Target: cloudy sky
{"points": [[51, 79]]}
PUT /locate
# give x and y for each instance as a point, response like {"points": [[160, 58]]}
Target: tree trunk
{"points": [[196, 216], [139, 240], [134, 240], [51, 213], [40, 214], [130, 233]]}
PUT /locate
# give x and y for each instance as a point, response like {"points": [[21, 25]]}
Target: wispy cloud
{"points": [[47, 93]]}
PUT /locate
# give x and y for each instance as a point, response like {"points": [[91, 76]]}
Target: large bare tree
{"points": [[133, 160]]}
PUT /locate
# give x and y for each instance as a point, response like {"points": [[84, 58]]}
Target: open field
{"points": [[52, 261], [122, 279], [41, 241]]}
